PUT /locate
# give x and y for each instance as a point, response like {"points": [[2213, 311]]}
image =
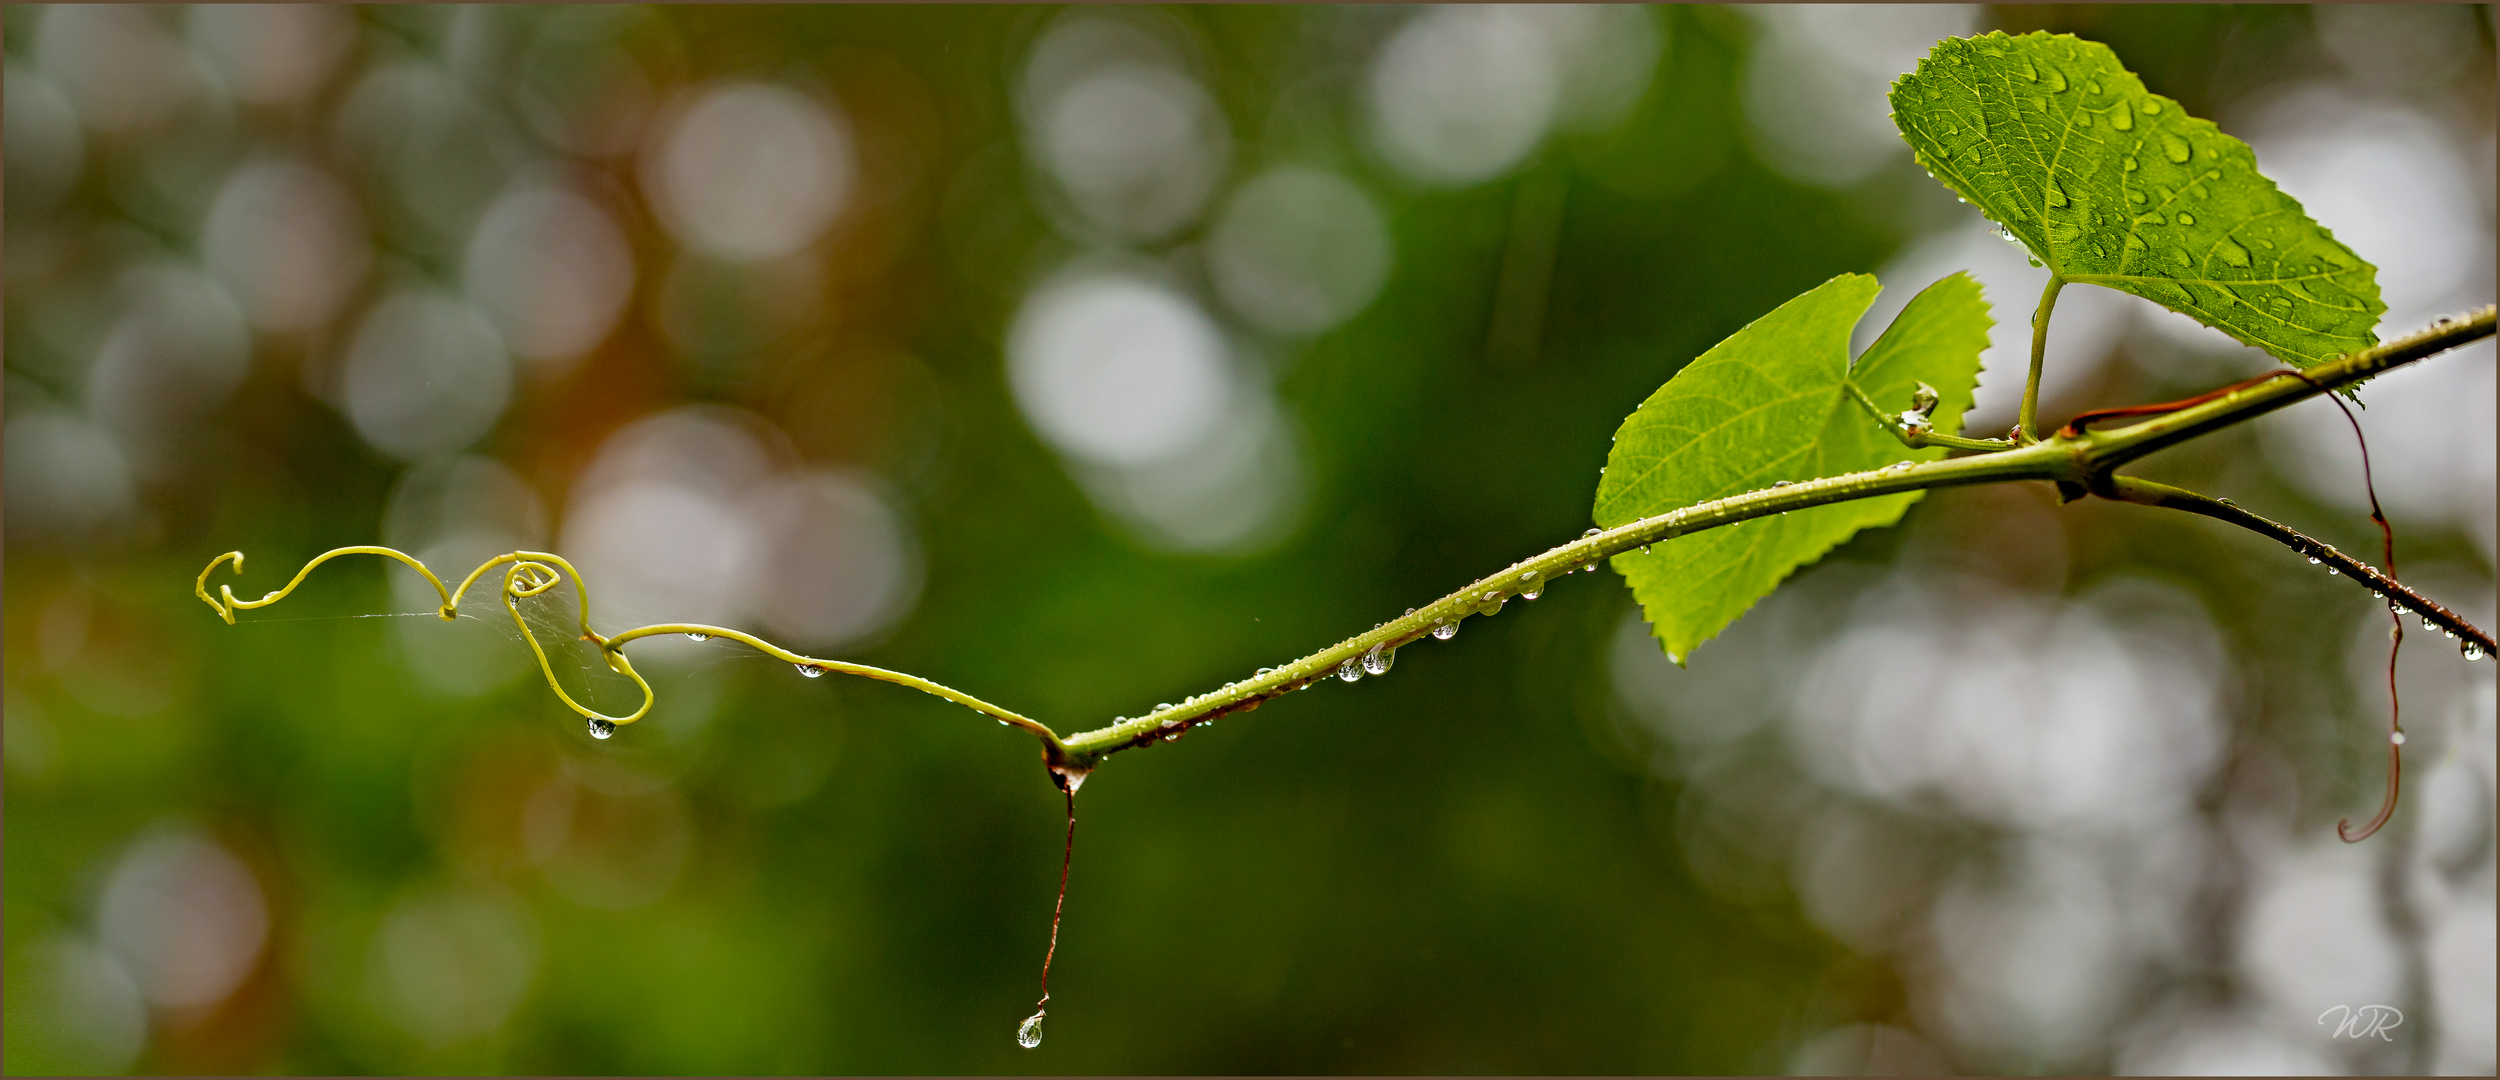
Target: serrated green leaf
{"points": [[2110, 184], [1770, 404]]}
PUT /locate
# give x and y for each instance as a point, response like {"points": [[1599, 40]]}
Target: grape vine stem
{"points": [[2077, 461]]}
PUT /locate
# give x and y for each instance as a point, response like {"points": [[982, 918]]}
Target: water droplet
{"points": [[2313, 560], [2334, 572], [1171, 722], [2131, 163], [2471, 650], [2152, 107], [810, 670], [1267, 671], [2187, 219], [698, 637], [1445, 631], [1590, 533], [600, 729], [2233, 254], [2083, 119], [1377, 661], [2028, 73], [2057, 81], [2134, 242], [2135, 196], [2123, 119], [2039, 104], [1164, 707], [1029, 1034], [2176, 149], [2397, 738], [1349, 672]]}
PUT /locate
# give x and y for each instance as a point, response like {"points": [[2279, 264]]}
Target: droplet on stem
{"points": [[1349, 672], [600, 728], [810, 670], [1445, 631], [2471, 650], [1377, 661], [1029, 1034], [698, 637]]}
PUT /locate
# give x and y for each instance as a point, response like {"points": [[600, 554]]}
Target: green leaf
{"points": [[2110, 184], [1770, 404]]}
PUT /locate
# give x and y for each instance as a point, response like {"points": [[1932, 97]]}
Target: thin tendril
{"points": [[2387, 538], [2395, 639], [1066, 856], [529, 574]]}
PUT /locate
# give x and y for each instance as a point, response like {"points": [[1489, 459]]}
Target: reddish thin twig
{"points": [[2387, 536]]}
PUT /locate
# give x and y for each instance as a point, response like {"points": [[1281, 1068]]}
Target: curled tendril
{"points": [[529, 574]]}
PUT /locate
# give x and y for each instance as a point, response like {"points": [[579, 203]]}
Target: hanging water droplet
{"points": [[2471, 650], [810, 670], [1267, 671], [1164, 707], [1377, 661], [600, 729], [1445, 631], [1171, 722], [2313, 560], [1349, 671], [1029, 1034], [1590, 533], [698, 637], [2331, 571], [1531, 592], [2396, 737]]}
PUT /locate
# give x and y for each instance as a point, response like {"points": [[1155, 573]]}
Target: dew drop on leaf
{"points": [[2187, 219], [2123, 118], [2174, 148], [2234, 254], [2151, 107]]}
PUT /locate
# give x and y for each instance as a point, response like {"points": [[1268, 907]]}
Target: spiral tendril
{"points": [[530, 574]]}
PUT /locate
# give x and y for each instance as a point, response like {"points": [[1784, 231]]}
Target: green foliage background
{"points": [[1469, 866]]}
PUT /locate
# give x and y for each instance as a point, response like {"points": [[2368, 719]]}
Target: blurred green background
{"points": [[1084, 359]]}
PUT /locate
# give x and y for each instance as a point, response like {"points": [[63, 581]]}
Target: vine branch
{"points": [[2076, 459]]}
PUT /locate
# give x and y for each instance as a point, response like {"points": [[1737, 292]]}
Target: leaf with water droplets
{"points": [[1771, 403], [2218, 241]]}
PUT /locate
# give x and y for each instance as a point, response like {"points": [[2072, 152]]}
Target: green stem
{"points": [[2029, 424], [1919, 440], [2082, 460], [2148, 493]]}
